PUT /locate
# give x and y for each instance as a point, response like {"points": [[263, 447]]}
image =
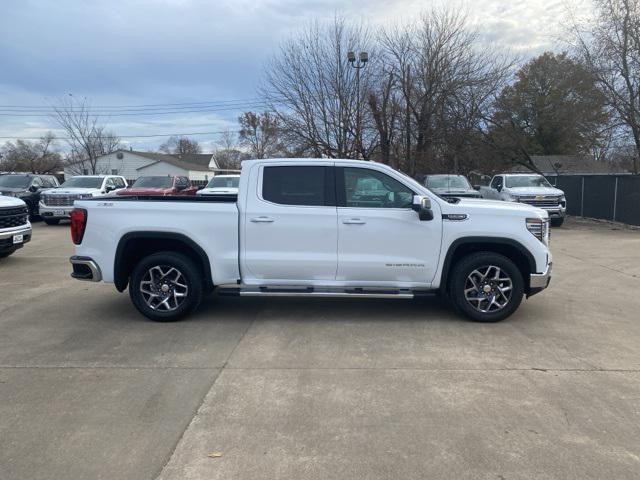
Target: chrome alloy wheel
{"points": [[488, 289], [163, 288]]}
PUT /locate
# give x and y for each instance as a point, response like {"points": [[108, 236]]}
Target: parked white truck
{"points": [[15, 228], [305, 227], [529, 188]]}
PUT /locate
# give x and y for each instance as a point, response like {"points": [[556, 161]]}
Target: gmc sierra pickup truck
{"points": [[306, 227], [532, 189]]}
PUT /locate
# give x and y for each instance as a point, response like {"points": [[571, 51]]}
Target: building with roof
{"points": [[132, 164], [551, 165]]}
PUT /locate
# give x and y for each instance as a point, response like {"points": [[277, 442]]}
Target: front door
{"points": [[290, 232], [381, 240]]}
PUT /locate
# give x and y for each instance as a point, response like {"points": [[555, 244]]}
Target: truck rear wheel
{"points": [[166, 286], [486, 286], [557, 222]]}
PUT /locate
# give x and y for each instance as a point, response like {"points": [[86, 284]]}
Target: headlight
{"points": [[539, 228]]}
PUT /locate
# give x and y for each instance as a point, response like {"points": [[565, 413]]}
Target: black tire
{"points": [[51, 221], [6, 254], [459, 279], [191, 278], [557, 222]]}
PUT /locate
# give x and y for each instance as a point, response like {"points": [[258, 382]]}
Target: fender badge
{"points": [[455, 217]]}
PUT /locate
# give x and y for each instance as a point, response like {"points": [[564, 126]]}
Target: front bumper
{"points": [[539, 281], [7, 238], [55, 212], [84, 268]]}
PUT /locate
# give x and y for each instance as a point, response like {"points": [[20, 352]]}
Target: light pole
{"points": [[361, 62]]}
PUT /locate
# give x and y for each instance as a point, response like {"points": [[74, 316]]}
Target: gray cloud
{"points": [[144, 51]]}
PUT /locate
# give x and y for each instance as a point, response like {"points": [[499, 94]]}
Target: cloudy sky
{"points": [[147, 52]]}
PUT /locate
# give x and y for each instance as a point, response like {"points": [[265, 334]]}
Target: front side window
{"points": [[365, 188], [496, 182], [299, 185]]}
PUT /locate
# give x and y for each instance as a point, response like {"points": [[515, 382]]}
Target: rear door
{"points": [[381, 240], [289, 222]]}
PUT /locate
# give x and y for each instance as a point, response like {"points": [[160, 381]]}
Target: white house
{"points": [[132, 164]]}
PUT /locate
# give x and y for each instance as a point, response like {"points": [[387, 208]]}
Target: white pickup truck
{"points": [[314, 227], [529, 188]]}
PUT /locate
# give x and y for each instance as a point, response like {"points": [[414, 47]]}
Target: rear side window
{"points": [[299, 185]]}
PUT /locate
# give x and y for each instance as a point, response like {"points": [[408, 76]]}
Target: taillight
{"points": [[78, 218]]}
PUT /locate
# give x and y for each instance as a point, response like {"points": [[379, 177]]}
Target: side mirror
{"points": [[422, 205], [109, 188], [34, 188], [476, 187], [499, 187]]}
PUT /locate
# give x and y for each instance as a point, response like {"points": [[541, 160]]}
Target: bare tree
{"points": [[227, 154], [87, 139], [34, 157], [180, 146], [260, 134], [315, 93], [446, 83], [610, 45]]}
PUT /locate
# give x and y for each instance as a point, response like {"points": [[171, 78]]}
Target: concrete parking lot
{"points": [[323, 389]]}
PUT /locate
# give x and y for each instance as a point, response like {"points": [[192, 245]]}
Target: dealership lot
{"points": [[322, 389]]}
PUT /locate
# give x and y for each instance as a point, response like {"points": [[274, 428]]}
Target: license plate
{"points": [[18, 239], [59, 213]]}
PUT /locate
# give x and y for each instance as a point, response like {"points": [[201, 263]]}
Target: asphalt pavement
{"points": [[323, 389]]}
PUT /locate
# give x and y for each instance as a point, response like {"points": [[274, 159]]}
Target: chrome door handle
{"points": [[262, 220], [353, 221]]}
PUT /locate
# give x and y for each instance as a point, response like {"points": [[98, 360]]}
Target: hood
{"points": [[218, 190], [12, 190], [481, 205], [534, 191], [145, 191], [72, 191], [10, 202], [455, 191]]}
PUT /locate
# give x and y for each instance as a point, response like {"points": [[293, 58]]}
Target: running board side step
{"points": [[326, 293]]}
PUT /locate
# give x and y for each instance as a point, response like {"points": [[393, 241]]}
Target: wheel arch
{"points": [[511, 249], [136, 245]]}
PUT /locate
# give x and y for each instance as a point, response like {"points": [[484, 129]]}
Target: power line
{"points": [[49, 106], [146, 113], [137, 136]]}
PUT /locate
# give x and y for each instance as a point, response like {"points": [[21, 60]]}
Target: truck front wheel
{"points": [[166, 286], [486, 286]]}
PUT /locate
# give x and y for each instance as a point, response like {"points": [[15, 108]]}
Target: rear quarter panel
{"points": [[213, 226]]}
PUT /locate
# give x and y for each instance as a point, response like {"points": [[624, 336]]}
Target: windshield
{"points": [[153, 182], [82, 182], [15, 181], [447, 181], [527, 181], [224, 182]]}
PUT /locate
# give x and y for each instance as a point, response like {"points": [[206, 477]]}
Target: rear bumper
{"points": [[539, 281], [7, 238], [84, 268]]}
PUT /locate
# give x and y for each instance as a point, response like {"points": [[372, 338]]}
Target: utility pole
{"points": [[363, 58]]}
